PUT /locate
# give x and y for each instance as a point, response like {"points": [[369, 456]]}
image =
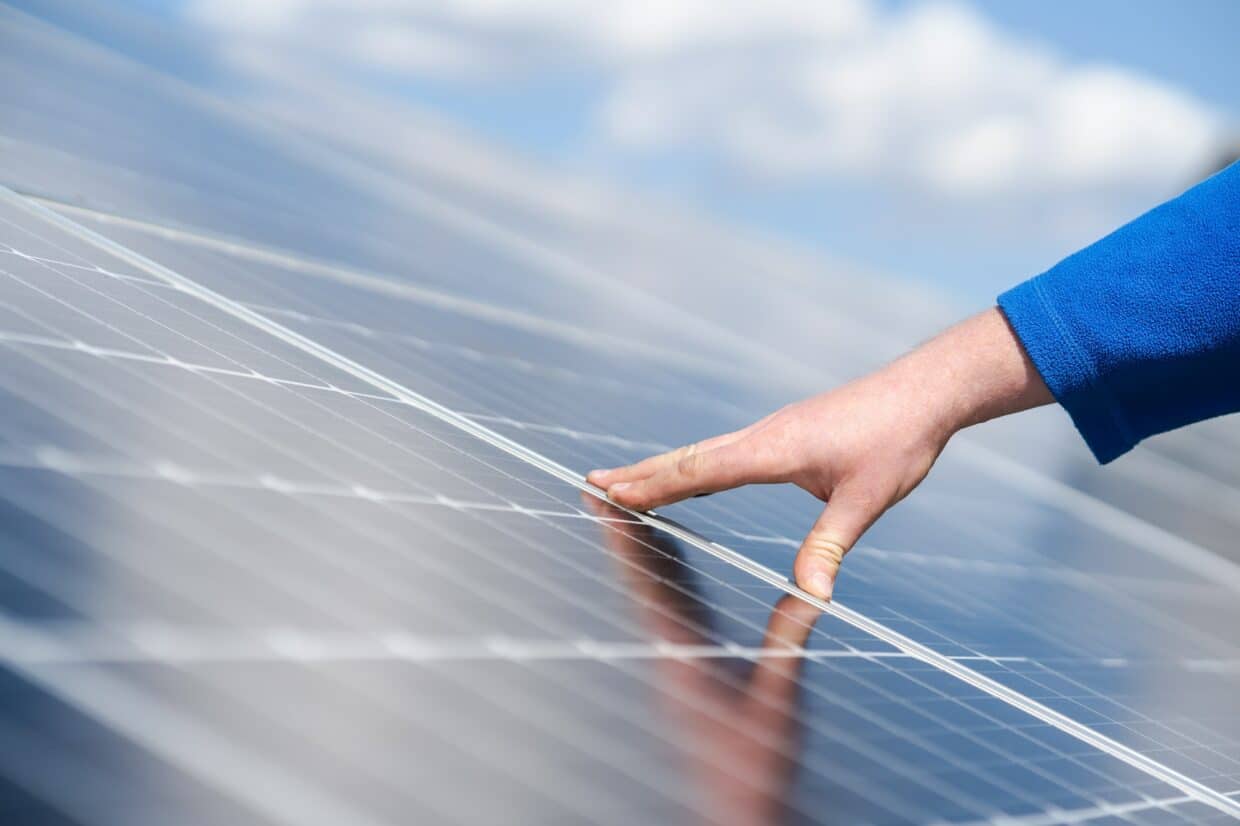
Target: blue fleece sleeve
{"points": [[1140, 332]]}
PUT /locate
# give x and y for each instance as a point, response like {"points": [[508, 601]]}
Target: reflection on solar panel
{"points": [[291, 540]]}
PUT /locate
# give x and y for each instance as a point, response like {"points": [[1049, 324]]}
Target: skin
{"points": [[860, 448]]}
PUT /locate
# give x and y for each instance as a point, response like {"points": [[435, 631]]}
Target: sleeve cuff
{"points": [[1068, 371]]}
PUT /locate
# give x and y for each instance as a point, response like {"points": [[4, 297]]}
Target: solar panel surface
{"points": [[294, 532]]}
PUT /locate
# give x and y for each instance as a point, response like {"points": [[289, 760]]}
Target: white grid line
{"points": [[1131, 528], [377, 283], [1195, 789], [896, 700]]}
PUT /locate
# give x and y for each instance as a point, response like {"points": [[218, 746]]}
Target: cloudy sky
{"points": [[963, 143]]}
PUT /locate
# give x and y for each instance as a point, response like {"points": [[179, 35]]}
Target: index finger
{"points": [[694, 473], [605, 478]]}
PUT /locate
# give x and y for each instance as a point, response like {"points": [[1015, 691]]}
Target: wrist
{"points": [[972, 372]]}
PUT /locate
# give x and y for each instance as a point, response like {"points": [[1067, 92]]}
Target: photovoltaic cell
{"points": [[289, 465], [1103, 633]]}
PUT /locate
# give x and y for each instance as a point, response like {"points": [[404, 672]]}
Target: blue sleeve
{"points": [[1140, 332]]}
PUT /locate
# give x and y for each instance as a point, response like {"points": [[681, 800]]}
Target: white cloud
{"points": [[933, 97]]}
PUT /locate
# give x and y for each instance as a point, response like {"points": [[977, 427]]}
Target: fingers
{"points": [[605, 478], [655, 464], [693, 473], [847, 515], [603, 509], [647, 467]]}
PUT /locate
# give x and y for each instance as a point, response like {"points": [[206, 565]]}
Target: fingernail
{"points": [[619, 487], [821, 585], [596, 474]]}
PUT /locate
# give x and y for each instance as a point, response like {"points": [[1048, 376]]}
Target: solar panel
{"points": [[290, 536]]}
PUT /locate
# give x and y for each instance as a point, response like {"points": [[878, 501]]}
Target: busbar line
{"points": [[1185, 784], [378, 283], [1129, 527]]}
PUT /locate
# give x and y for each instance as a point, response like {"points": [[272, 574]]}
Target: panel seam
{"points": [[1166, 546], [1080, 731]]}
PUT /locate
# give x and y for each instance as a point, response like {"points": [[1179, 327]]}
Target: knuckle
{"points": [[825, 548], [689, 465], [784, 443]]}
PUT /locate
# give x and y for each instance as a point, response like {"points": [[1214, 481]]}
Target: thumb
{"points": [[838, 528]]}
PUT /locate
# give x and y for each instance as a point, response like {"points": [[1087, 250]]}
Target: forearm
{"points": [[972, 372]]}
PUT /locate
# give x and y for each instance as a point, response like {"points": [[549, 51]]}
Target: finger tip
{"points": [[618, 492], [595, 477], [819, 583], [628, 495]]}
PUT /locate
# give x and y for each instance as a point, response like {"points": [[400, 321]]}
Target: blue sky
{"points": [[1187, 45], [1190, 43], [964, 144]]}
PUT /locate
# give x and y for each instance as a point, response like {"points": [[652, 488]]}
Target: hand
{"points": [[860, 448]]}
